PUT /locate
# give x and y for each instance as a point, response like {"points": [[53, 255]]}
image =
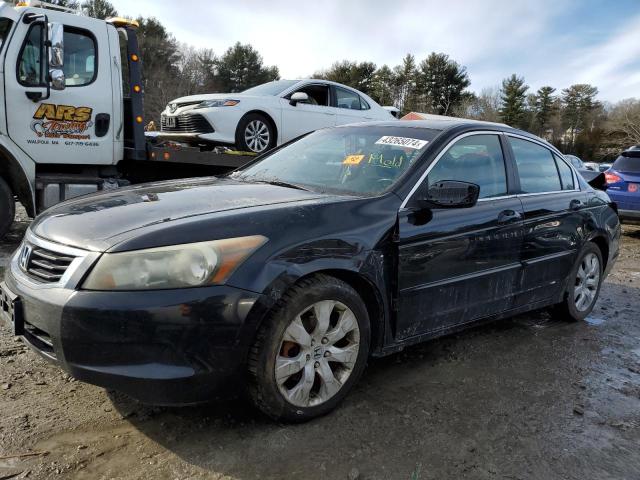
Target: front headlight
{"points": [[178, 266], [217, 103]]}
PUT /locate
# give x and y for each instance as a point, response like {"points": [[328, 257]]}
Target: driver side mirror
{"points": [[56, 56], [298, 97], [451, 194]]}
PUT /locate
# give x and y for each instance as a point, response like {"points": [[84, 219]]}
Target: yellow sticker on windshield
{"points": [[353, 159]]}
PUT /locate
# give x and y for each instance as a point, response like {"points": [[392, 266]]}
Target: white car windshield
{"points": [[272, 88], [361, 161]]}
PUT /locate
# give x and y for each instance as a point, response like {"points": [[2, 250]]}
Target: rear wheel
{"points": [[255, 134], [7, 208], [311, 351], [584, 285]]}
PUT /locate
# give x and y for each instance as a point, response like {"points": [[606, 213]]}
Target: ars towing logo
{"points": [[62, 121]]}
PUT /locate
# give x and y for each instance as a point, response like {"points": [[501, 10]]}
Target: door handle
{"points": [[576, 204], [509, 216]]}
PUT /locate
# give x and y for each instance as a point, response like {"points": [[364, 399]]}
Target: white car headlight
{"points": [[177, 266], [217, 103]]}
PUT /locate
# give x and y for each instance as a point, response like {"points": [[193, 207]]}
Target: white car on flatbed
{"points": [[268, 115]]}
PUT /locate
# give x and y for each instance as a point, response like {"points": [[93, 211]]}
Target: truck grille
{"points": [[45, 265], [187, 123]]}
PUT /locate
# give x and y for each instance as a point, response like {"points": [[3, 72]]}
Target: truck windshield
{"points": [[359, 161], [271, 88], [5, 28]]}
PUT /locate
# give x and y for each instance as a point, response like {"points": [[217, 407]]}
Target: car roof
{"points": [[439, 122]]}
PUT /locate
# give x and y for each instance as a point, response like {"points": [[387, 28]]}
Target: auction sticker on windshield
{"points": [[353, 159], [402, 142]]}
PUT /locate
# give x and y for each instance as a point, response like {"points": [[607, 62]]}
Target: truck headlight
{"points": [[177, 266], [217, 103]]}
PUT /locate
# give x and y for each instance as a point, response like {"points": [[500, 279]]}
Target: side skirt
{"points": [[399, 346]]}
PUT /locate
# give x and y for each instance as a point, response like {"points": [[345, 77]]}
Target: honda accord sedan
{"points": [[287, 275], [270, 114]]}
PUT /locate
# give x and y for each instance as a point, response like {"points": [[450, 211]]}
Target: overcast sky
{"points": [[550, 42]]}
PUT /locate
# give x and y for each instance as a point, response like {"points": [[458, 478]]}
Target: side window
{"points": [[347, 99], [31, 64], [318, 94], [80, 59], [536, 167], [566, 174], [476, 159]]}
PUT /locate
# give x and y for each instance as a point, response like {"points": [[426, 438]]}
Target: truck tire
{"points": [[7, 208], [255, 134]]}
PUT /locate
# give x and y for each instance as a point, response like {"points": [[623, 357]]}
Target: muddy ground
{"points": [[526, 398]]}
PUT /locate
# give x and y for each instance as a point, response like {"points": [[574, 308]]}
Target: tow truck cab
{"points": [[72, 118]]}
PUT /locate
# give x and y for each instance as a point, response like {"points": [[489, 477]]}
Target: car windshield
{"points": [[271, 88], [628, 163], [361, 161], [5, 27]]}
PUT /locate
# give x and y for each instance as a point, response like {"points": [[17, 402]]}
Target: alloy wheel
{"points": [[587, 281], [256, 136], [317, 354]]}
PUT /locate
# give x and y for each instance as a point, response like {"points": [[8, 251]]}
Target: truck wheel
{"points": [[583, 288], [7, 208], [310, 351], [255, 134]]}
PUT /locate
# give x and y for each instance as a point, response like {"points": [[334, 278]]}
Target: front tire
{"points": [[7, 208], [255, 134], [583, 286], [310, 351]]}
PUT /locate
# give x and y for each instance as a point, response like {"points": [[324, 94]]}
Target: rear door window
{"points": [[566, 174], [347, 99], [536, 167]]}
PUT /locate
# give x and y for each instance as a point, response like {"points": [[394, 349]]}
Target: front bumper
{"points": [[170, 347]]}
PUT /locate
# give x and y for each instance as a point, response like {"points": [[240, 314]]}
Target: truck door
{"points": [[73, 125]]}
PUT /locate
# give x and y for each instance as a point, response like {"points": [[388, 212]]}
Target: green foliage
{"points": [[102, 9], [241, 67], [514, 101], [442, 82], [356, 75]]}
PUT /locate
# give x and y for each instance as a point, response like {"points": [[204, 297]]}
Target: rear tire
{"points": [[583, 286], [310, 351], [255, 134], [7, 208]]}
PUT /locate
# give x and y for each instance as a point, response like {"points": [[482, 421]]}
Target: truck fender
{"points": [[19, 174]]}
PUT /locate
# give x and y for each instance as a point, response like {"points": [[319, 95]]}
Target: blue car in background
{"points": [[623, 184]]}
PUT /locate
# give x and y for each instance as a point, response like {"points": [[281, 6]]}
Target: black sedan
{"points": [[287, 275]]}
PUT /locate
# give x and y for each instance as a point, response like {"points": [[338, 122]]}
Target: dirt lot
{"points": [[526, 398]]}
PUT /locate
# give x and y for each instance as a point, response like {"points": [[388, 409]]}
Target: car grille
{"points": [[187, 123], [47, 266]]}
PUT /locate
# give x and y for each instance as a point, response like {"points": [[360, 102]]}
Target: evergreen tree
{"points": [[513, 97], [441, 83], [544, 109], [102, 9], [241, 67]]}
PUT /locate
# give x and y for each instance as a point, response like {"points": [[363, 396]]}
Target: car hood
{"points": [[217, 96], [98, 222]]}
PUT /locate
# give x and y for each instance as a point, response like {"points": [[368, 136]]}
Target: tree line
{"points": [[571, 118]]}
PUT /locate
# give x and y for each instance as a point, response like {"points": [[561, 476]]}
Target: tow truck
{"points": [[72, 119]]}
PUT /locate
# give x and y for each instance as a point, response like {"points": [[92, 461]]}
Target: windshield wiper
{"points": [[274, 181]]}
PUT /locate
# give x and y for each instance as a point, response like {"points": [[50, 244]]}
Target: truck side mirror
{"points": [[56, 56]]}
